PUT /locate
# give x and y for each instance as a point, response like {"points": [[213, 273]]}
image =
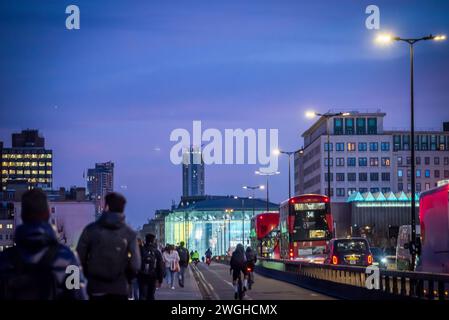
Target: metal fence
{"points": [[350, 282]]}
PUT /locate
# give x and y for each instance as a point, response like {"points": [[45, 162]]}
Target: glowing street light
{"points": [[267, 174], [411, 42]]}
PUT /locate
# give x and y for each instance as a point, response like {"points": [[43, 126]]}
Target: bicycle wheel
{"points": [[240, 289]]}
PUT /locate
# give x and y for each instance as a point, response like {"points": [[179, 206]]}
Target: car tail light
{"points": [[334, 260], [370, 259]]}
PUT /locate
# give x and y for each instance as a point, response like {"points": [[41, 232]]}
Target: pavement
{"points": [[189, 292], [214, 282]]}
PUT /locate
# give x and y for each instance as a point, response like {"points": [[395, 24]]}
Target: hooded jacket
{"points": [[110, 226], [32, 242]]}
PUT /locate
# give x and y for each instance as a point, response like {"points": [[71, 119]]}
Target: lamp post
{"points": [[289, 154], [267, 174], [252, 188], [411, 42], [228, 217]]}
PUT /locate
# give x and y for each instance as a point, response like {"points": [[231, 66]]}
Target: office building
{"points": [[216, 222], [364, 157], [192, 173], [100, 182], [27, 160]]}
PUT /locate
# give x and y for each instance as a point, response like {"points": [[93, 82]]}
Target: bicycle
{"points": [[240, 291]]}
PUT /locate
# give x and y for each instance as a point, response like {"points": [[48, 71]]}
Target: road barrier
{"points": [[350, 282]]}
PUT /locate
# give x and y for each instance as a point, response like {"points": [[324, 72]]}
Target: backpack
{"points": [[30, 281], [149, 261], [108, 257], [183, 256]]}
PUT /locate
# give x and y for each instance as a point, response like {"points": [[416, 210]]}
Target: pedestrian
{"points": [[184, 258], [151, 273], [35, 268], [109, 252], [133, 281], [171, 260]]}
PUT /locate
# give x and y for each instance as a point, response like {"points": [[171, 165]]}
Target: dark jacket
{"points": [[109, 227], [32, 243], [238, 259], [183, 263], [158, 273]]}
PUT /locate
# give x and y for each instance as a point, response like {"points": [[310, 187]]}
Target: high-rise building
{"points": [[192, 173], [100, 181], [27, 160], [366, 158]]}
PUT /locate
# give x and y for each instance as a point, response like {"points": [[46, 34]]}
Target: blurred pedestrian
{"points": [[183, 262], [171, 260], [109, 252], [35, 268], [152, 271]]}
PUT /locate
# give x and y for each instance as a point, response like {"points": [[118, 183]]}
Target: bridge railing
{"points": [[391, 284], [351, 281]]}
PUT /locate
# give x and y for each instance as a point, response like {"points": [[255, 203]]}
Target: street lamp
{"points": [[252, 188], [384, 39], [327, 116], [277, 152], [267, 174], [228, 217]]}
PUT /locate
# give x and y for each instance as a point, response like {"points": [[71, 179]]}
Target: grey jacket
{"points": [[109, 227]]}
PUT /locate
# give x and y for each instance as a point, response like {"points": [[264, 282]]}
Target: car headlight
{"points": [[383, 260]]}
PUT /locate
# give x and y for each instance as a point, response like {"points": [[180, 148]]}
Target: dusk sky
{"points": [[136, 70]]}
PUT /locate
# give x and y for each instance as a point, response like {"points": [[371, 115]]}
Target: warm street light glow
{"points": [[384, 38], [276, 152], [262, 187], [310, 114], [439, 37]]}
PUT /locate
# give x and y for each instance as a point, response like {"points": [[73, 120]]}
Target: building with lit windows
{"points": [[27, 160], [6, 225], [366, 158], [216, 222], [100, 182], [192, 173]]}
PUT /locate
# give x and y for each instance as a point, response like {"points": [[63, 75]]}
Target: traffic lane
{"points": [[264, 288]]}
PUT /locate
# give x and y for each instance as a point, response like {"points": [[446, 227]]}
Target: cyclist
{"points": [[251, 259], [195, 257], [208, 255], [238, 264]]}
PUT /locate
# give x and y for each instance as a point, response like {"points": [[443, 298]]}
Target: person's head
{"points": [[181, 244], [149, 238], [248, 249], [35, 206], [240, 248], [115, 202]]}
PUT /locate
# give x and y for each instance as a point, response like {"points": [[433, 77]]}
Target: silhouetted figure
{"points": [[35, 269], [109, 252]]}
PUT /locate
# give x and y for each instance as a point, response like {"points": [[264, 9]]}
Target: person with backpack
{"points": [[238, 266], [109, 252], [171, 260], [152, 269], [184, 258], [35, 268]]}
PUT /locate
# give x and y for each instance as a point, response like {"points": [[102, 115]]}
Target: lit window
{"points": [[48, 155], [351, 146], [5, 164], [9, 226], [4, 171], [41, 164], [34, 164], [26, 172], [12, 171], [48, 164], [400, 173], [34, 156], [49, 172], [33, 171], [19, 171], [41, 171], [19, 164]]}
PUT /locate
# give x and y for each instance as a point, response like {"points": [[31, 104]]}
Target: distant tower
{"points": [[100, 181], [192, 172]]}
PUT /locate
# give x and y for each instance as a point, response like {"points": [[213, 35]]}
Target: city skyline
{"points": [[116, 88]]}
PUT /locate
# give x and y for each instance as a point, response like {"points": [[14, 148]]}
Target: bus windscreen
{"points": [[310, 221]]}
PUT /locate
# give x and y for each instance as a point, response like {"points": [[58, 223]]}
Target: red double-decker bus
{"points": [[264, 235], [305, 227]]}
